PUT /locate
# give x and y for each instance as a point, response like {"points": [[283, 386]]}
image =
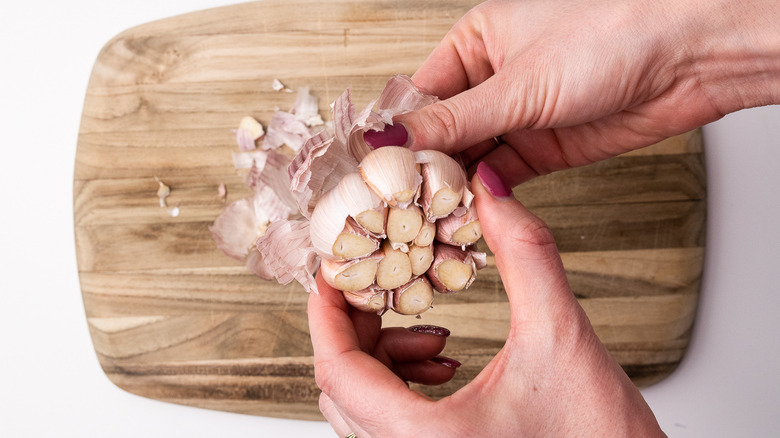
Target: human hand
{"points": [[564, 84], [552, 378]]}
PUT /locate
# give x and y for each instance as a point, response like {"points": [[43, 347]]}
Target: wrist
{"points": [[733, 50]]}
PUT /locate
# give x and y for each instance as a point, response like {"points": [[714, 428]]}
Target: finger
{"points": [[458, 62], [435, 371], [413, 355], [356, 382], [368, 326], [398, 344], [525, 253], [466, 119]]}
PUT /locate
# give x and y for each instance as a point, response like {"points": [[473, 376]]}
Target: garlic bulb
{"points": [[386, 226]]}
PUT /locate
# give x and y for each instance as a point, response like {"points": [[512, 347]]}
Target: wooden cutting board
{"points": [[173, 319]]}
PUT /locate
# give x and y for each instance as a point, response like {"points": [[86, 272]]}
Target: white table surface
{"points": [[728, 385]]}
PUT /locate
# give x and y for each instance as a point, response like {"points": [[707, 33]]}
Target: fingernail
{"points": [[492, 182], [392, 135], [430, 330], [446, 361]]}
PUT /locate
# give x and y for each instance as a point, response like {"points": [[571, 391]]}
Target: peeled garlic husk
{"points": [[249, 130], [392, 173]]}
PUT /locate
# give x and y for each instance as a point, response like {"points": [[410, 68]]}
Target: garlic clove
{"points": [[444, 181], [334, 234], [459, 230], [426, 235], [403, 225], [412, 298], [370, 299], [421, 258], [394, 269], [452, 270], [353, 242], [350, 275], [393, 174], [363, 204]]}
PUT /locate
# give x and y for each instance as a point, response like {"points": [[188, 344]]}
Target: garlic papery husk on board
{"points": [[288, 254], [248, 132]]}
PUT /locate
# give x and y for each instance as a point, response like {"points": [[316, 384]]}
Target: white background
{"points": [[728, 385]]}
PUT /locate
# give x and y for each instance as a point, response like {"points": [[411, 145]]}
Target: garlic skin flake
{"points": [[248, 132], [288, 254]]}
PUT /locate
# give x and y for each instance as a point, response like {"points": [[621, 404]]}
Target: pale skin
{"points": [[559, 85]]}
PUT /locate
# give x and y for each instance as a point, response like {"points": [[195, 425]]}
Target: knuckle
{"points": [[324, 376]]}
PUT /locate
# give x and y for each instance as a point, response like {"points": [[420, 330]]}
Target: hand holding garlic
{"points": [[532, 88], [553, 376]]}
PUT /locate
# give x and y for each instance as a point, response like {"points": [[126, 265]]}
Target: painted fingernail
{"points": [[392, 135], [430, 330], [446, 361], [492, 181]]}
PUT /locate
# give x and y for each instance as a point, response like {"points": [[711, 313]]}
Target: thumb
{"points": [[525, 252], [463, 120]]}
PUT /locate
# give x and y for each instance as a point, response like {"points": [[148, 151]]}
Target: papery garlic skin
{"points": [[248, 132]]}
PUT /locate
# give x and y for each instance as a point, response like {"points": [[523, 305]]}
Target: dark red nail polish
{"points": [[446, 361], [392, 135], [492, 181], [430, 330]]}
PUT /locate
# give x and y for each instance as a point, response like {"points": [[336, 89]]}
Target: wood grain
{"points": [[173, 319]]}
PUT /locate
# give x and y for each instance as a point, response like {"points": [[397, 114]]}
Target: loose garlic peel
{"points": [[386, 226]]}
